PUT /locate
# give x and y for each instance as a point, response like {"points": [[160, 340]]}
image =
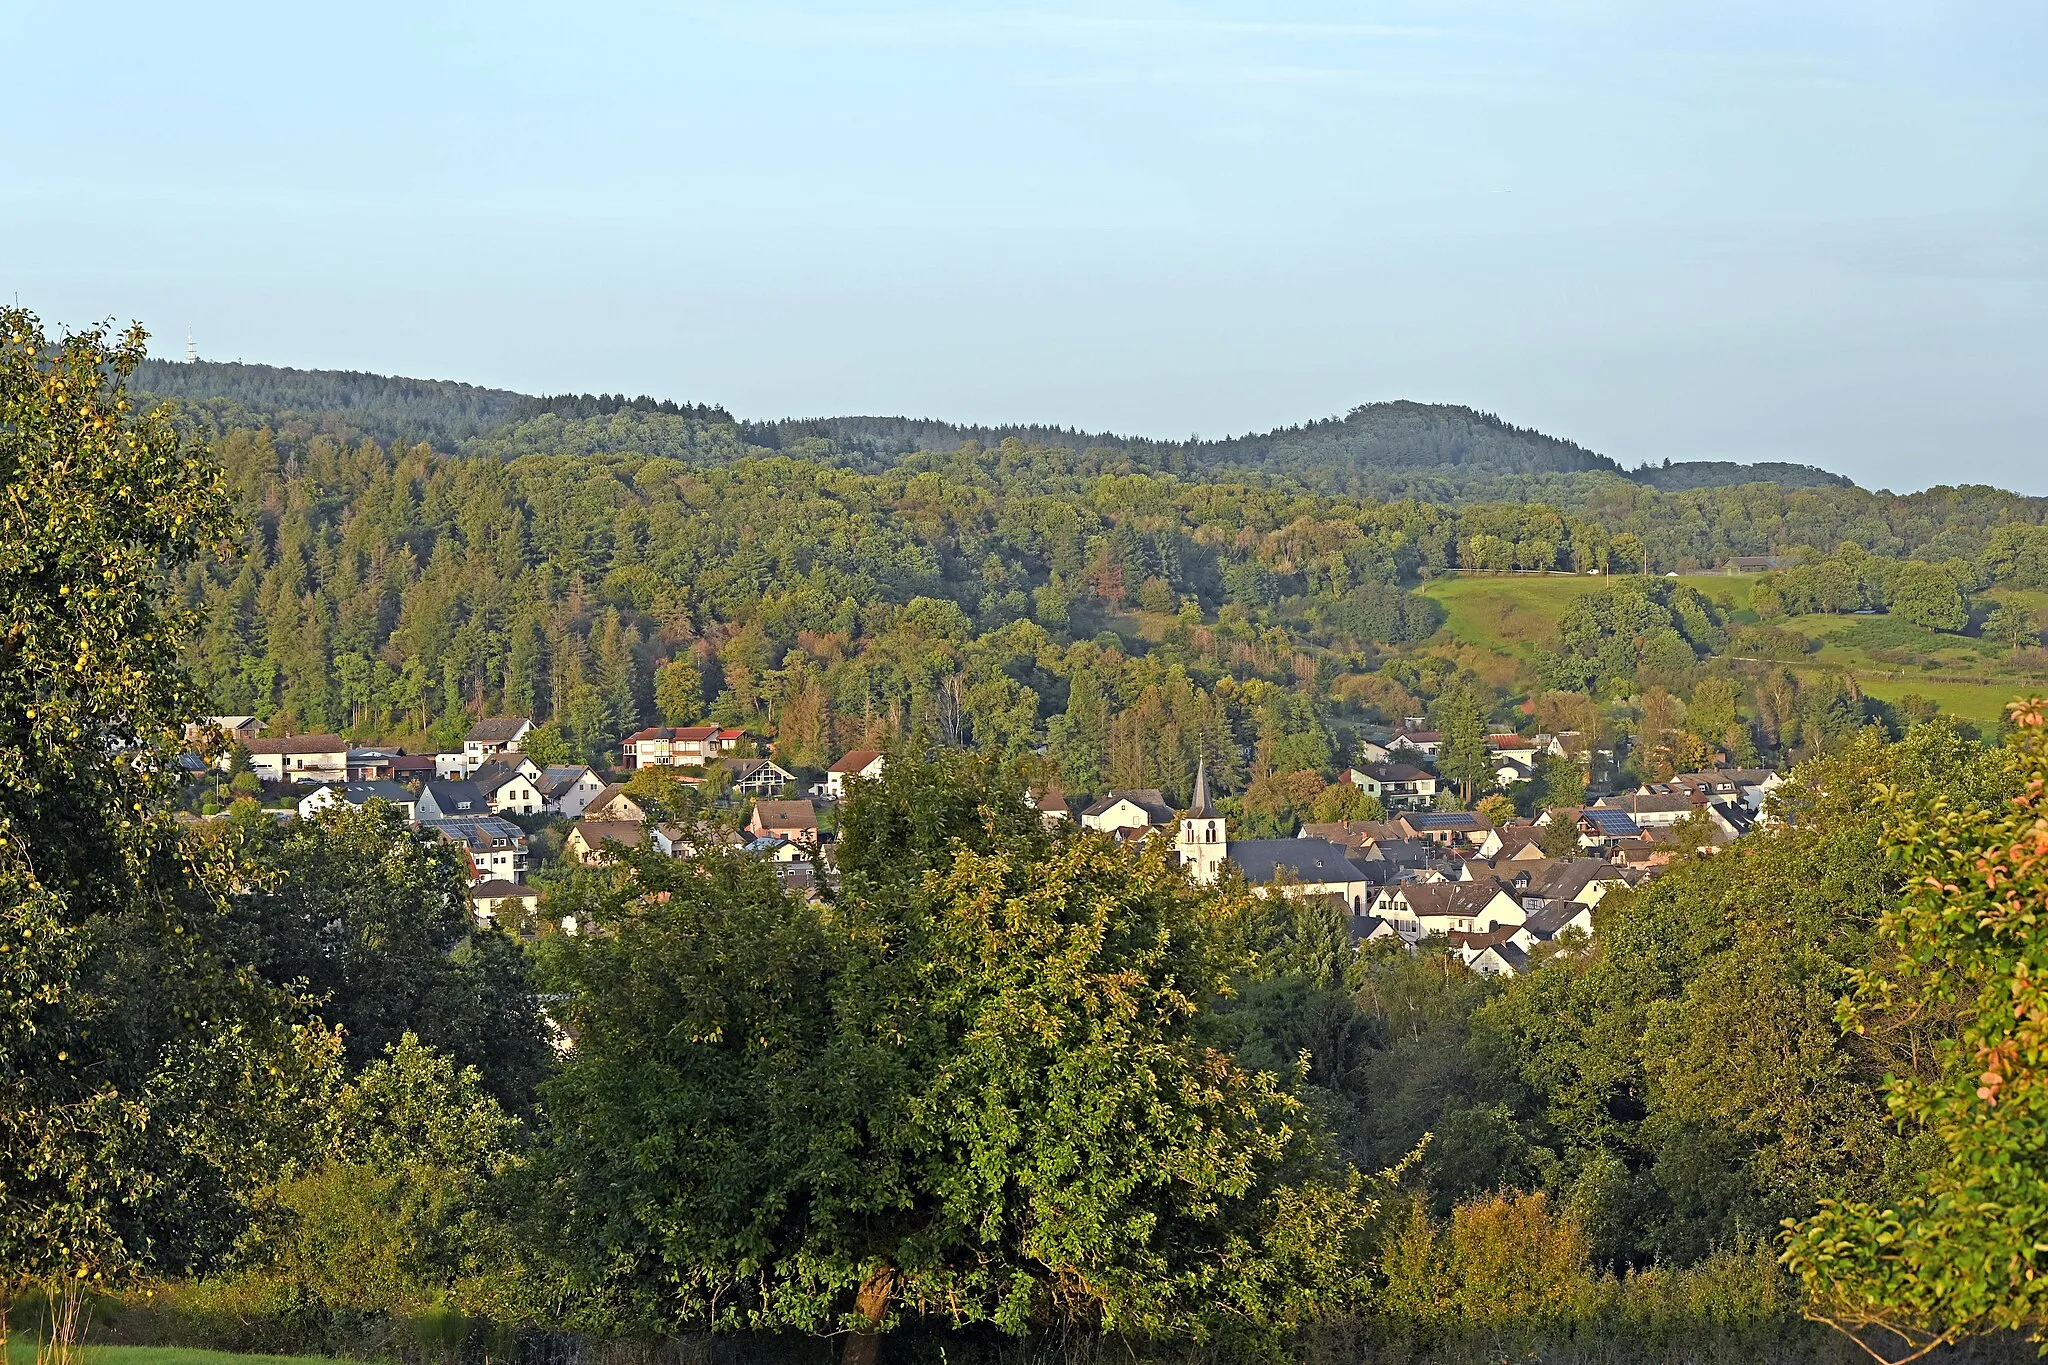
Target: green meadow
{"points": [[21, 1350]]}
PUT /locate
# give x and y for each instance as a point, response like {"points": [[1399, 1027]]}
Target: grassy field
{"points": [[1983, 703], [1519, 612], [22, 1351]]}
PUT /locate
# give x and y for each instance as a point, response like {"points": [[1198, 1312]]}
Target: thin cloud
{"points": [[914, 27]]}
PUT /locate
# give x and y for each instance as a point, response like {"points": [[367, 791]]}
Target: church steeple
{"points": [[1199, 807], [1203, 841]]}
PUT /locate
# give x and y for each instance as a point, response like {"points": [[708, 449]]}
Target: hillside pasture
{"points": [[1518, 613]]}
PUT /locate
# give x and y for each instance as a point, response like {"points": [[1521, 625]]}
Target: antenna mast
{"points": [[191, 349]]}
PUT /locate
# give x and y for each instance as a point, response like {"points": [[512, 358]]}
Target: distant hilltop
{"points": [[1430, 451]]}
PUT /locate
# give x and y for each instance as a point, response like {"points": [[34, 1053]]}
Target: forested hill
{"points": [[1430, 452]]}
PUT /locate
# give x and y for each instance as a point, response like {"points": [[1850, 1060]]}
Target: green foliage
{"points": [[1694, 1063], [1346, 801], [976, 1089], [1464, 758], [1647, 630], [389, 1210], [679, 691], [1956, 1250], [371, 920], [126, 1043]]}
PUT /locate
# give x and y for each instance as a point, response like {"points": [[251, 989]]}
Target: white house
{"points": [[567, 790], [356, 795], [510, 784], [493, 736], [448, 800], [495, 847], [863, 763], [1420, 909], [299, 758], [1396, 786], [1129, 812]]}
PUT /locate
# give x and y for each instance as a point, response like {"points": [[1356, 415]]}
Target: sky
{"points": [[1751, 231]]}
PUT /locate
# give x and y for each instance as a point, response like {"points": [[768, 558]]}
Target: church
{"points": [[1289, 867]]}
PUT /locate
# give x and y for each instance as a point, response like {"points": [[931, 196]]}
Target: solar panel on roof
{"points": [[1616, 823]]}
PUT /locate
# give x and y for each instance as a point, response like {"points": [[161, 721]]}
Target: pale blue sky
{"points": [[1809, 231]]}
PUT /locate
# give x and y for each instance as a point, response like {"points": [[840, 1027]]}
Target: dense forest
{"points": [[604, 563], [1379, 450]]}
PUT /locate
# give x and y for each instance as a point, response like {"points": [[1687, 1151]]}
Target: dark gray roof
{"points": [[1148, 799], [355, 793], [1394, 772], [492, 775], [496, 730], [1511, 954], [554, 781], [1550, 921], [457, 798], [1405, 852], [1364, 927], [1307, 860]]}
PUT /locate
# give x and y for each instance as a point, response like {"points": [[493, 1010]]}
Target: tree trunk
{"points": [[872, 1302]]}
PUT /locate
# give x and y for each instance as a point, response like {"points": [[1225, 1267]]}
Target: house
{"points": [[757, 776], [1516, 748], [1573, 881], [613, 804], [1375, 748], [1514, 843], [796, 821], [1602, 825], [495, 847], [567, 790], [235, 732], [371, 765], [1371, 929], [1051, 804], [1129, 811], [1302, 867], [1385, 861], [1732, 818], [413, 768], [1445, 827], [299, 758], [1355, 835], [1741, 564], [1751, 786], [1508, 771], [584, 844], [493, 736], [775, 849], [861, 763], [679, 746], [1560, 921], [497, 899], [1418, 909], [685, 841], [1652, 809], [1642, 853], [1397, 786], [442, 800], [1410, 742], [1499, 952], [509, 784], [452, 767], [355, 795]]}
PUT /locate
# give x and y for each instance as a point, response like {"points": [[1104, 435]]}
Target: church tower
{"points": [[1203, 842]]}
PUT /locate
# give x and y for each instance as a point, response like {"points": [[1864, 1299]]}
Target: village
{"points": [[1496, 892]]}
